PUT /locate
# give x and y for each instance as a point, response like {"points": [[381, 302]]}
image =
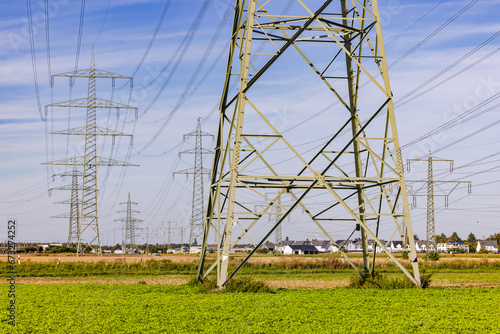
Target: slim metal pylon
{"points": [[347, 181], [130, 224], [74, 205], [198, 171], [430, 183], [88, 229]]}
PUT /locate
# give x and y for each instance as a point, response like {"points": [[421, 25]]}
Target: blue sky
{"points": [[121, 32]]}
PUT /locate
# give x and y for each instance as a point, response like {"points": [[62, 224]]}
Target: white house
{"points": [[194, 249], [490, 245], [300, 250], [284, 243], [449, 246], [346, 245], [323, 246], [396, 247]]}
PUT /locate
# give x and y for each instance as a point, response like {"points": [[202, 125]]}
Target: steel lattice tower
{"points": [[430, 183], [88, 229], [278, 238], [74, 205], [198, 205], [130, 221], [355, 169]]}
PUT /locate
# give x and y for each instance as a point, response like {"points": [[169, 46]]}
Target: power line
{"points": [[153, 38], [33, 60]]}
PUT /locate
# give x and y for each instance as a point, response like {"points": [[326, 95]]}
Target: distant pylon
{"points": [[88, 229], [130, 224], [74, 205], [337, 44], [430, 182], [198, 206]]}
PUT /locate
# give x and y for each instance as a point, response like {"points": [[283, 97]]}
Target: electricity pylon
{"points": [[74, 205], [130, 221], [274, 217], [88, 229], [198, 206], [354, 169], [169, 232], [429, 184]]}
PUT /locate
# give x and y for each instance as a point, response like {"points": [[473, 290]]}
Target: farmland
{"points": [[139, 308], [286, 272], [151, 294]]}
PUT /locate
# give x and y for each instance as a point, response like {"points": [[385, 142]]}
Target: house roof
{"points": [[303, 247], [322, 243], [287, 242], [306, 242], [488, 243]]}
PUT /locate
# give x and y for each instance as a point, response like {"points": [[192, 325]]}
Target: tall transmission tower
{"points": [[88, 229], [275, 217], [130, 221], [430, 183], [147, 234], [337, 44], [198, 205], [169, 232], [74, 205]]}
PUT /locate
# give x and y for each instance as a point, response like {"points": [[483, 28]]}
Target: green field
{"points": [[85, 308]]}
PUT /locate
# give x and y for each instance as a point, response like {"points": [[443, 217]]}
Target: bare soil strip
{"points": [[182, 279]]}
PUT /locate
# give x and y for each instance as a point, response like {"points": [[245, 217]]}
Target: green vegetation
{"points": [[279, 266], [434, 256], [378, 281], [180, 309], [237, 284]]}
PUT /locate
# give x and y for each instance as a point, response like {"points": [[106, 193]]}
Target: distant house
{"points": [[300, 250], [305, 242], [450, 246], [358, 246], [284, 243], [194, 249], [323, 246], [270, 246], [371, 244], [490, 245], [397, 247], [345, 244]]}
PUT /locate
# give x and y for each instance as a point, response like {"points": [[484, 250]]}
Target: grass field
{"points": [[85, 308]]}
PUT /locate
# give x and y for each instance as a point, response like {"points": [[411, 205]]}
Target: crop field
{"points": [[310, 294], [140, 308]]}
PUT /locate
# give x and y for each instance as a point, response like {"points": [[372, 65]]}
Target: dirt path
{"points": [[183, 279]]}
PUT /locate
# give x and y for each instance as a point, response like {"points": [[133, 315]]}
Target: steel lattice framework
{"points": [[130, 221], [74, 205], [357, 171], [198, 203], [430, 183], [88, 229]]}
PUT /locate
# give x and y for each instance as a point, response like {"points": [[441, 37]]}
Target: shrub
{"points": [[434, 256], [241, 284], [483, 251], [378, 281], [405, 255]]}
